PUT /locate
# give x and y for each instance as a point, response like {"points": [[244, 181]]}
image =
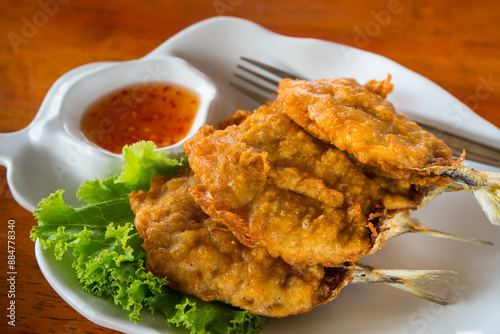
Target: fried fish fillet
{"points": [[359, 120], [274, 214], [276, 186], [308, 202], [200, 257]]}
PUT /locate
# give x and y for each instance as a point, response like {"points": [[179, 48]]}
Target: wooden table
{"points": [[454, 43]]}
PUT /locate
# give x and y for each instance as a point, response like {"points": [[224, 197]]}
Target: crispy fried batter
{"points": [[235, 119], [274, 185], [272, 216], [357, 119], [200, 257]]}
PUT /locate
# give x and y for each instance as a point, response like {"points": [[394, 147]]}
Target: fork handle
{"points": [[474, 151]]}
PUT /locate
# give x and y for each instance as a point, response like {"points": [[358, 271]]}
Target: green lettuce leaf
{"points": [[104, 247], [215, 317], [142, 162], [98, 191]]}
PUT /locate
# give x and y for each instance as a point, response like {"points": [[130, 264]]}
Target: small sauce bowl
{"points": [[53, 153], [159, 112]]}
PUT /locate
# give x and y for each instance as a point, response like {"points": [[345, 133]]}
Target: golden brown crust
{"points": [[382, 88], [357, 119], [235, 119], [276, 186], [272, 216], [200, 257]]}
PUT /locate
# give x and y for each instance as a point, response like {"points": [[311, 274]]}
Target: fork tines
{"points": [[265, 91], [268, 75]]}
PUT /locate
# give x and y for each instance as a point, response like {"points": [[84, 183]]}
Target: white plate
{"points": [[214, 47]]}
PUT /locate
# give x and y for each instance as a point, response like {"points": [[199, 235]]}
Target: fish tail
{"points": [[485, 186], [411, 281], [488, 195], [402, 223]]}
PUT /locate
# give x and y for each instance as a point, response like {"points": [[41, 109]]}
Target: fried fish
{"points": [[274, 185], [359, 120], [201, 257], [280, 204]]}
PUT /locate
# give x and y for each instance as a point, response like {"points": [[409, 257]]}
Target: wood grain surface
{"points": [[454, 43]]}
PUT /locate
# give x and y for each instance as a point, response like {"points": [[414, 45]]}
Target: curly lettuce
{"points": [[104, 246]]}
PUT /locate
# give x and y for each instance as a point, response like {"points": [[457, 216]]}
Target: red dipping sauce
{"points": [[160, 112]]}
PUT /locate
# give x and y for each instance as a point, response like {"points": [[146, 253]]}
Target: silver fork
{"points": [[264, 81]]}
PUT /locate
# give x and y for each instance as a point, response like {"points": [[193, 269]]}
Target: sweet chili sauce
{"points": [[160, 112]]}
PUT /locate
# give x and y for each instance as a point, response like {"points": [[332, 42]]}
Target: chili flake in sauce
{"points": [[160, 112]]}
